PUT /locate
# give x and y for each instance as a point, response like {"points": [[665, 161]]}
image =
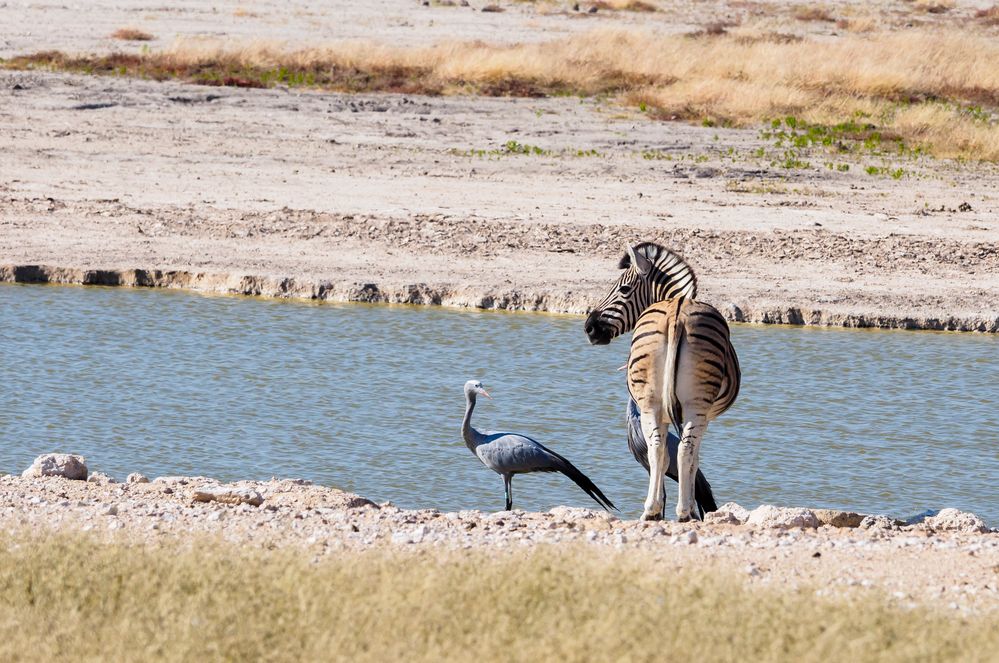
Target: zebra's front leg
{"points": [[687, 457], [655, 438]]}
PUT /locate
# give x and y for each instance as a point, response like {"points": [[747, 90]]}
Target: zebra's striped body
{"points": [[682, 368]]}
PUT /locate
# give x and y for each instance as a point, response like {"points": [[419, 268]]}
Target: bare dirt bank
{"points": [[377, 198], [424, 294], [923, 564], [422, 199]]}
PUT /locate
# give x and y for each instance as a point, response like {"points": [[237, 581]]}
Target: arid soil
{"points": [[36, 25], [923, 564], [416, 199], [387, 198]]}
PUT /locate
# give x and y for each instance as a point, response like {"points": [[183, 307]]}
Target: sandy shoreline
{"points": [[424, 294], [914, 565]]}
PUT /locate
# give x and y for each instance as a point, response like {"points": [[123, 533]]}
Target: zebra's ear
{"points": [[641, 262]]}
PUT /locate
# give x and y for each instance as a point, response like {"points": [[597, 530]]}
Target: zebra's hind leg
{"points": [[688, 459], [655, 437]]}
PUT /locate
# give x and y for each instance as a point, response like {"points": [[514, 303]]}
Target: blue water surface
{"points": [[369, 399]]}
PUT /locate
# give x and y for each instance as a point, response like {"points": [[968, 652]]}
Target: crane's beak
{"points": [[486, 394], [621, 368]]}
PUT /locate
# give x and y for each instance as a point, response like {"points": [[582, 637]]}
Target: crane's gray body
{"points": [[508, 454]]}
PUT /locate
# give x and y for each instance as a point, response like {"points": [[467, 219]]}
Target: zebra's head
{"points": [[651, 274]]}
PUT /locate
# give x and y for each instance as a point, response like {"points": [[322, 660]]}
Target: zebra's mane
{"points": [[650, 250], [658, 254]]}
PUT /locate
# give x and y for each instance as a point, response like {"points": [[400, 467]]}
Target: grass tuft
{"points": [[813, 13], [71, 598], [989, 15], [934, 6], [131, 34]]}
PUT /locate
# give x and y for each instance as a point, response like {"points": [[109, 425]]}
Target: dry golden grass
{"points": [[916, 85], [625, 5], [933, 6], [813, 13], [70, 599], [131, 34], [858, 23], [989, 15]]}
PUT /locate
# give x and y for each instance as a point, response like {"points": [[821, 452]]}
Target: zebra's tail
{"points": [[673, 342]]}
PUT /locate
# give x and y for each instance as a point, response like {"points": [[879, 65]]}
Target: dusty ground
{"points": [[911, 565], [86, 27], [101, 173], [415, 199]]}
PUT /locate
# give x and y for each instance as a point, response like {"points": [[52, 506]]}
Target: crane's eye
{"points": [[624, 289]]}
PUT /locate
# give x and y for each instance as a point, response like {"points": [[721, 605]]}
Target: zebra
{"points": [[651, 274], [682, 368]]}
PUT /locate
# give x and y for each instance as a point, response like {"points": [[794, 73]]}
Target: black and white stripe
{"points": [[652, 273]]}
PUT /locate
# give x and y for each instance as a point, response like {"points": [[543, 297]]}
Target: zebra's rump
{"points": [[717, 369], [695, 334]]}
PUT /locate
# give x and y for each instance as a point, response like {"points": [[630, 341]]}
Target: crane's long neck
{"points": [[467, 432]]}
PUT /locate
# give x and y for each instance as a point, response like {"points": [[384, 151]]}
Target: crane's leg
{"points": [[655, 436], [508, 483], [687, 459]]}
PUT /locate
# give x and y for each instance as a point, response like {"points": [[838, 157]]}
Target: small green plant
{"points": [[513, 147], [886, 171]]}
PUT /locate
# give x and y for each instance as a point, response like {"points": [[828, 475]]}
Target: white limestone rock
{"points": [[729, 513], [952, 520], [100, 478], [777, 517], [69, 466], [228, 495]]}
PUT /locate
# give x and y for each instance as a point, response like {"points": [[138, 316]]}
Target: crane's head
{"points": [[475, 387]]}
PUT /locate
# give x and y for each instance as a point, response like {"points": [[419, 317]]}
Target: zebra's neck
{"points": [[671, 278]]}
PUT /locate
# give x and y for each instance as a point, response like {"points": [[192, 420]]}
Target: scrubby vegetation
{"points": [[131, 34], [66, 598], [933, 90]]}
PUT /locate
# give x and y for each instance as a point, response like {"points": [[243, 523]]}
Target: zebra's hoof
{"points": [[652, 516], [684, 519]]}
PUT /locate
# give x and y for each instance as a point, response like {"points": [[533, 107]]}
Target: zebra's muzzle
{"points": [[596, 330]]}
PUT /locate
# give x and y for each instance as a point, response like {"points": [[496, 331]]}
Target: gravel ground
{"points": [[944, 562]]}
